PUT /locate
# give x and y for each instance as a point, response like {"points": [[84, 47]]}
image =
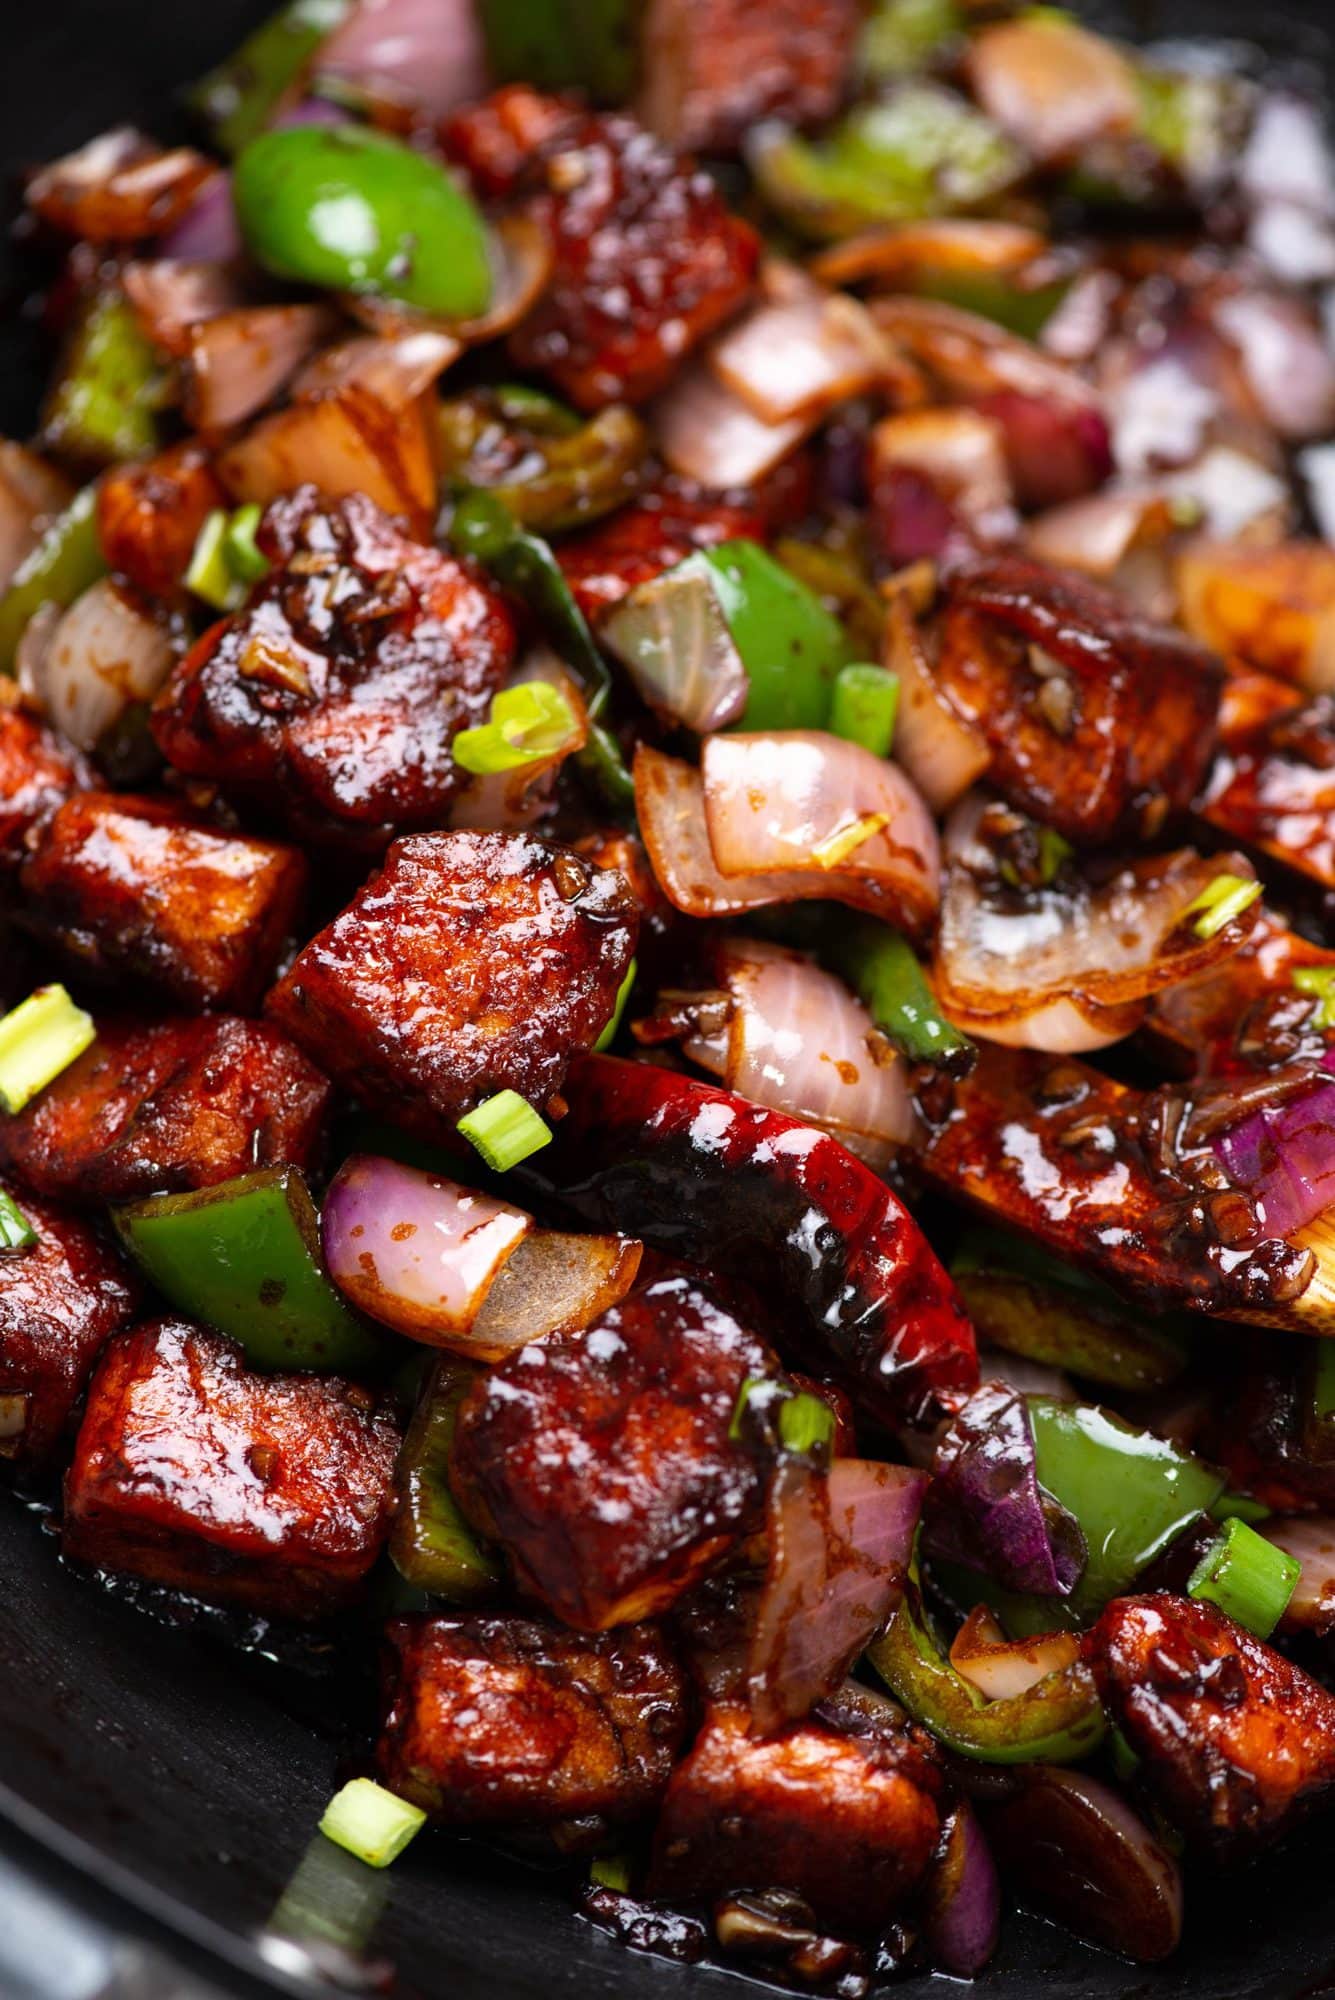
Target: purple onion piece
{"points": [[1285, 1158], [985, 1508], [962, 1919], [208, 233]]}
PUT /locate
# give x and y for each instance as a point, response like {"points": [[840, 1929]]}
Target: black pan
{"points": [[187, 1777]]}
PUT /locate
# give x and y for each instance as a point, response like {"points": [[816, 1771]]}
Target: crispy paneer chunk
{"points": [[163, 1108], [335, 694], [37, 771], [714, 68], [601, 1460], [1099, 723], [149, 516], [133, 885], [60, 1302], [1235, 1741], [472, 963], [508, 1723], [637, 543], [193, 1470], [843, 1810], [647, 258]]}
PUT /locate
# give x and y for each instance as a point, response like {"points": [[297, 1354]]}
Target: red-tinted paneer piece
{"points": [[714, 68], [37, 771], [508, 1723], [60, 1302], [471, 963], [134, 885], [648, 258], [334, 696], [150, 514], [601, 1460], [167, 1107], [605, 563], [844, 1813], [193, 1470], [1235, 1741]]}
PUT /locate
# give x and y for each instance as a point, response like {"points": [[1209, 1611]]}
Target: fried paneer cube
{"points": [[193, 1470], [844, 1813], [508, 1723], [166, 1107], [61, 1300], [149, 515], [136, 886], [334, 695], [1235, 1741], [37, 771], [601, 1461], [714, 68], [648, 259], [471, 963]]}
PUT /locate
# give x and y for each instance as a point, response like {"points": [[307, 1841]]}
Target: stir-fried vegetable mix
{"points": [[666, 729]]}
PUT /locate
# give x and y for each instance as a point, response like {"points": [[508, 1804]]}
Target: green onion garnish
{"points": [[528, 722], [16, 1232], [608, 1036], [1243, 1506], [370, 1822], [744, 1395], [611, 1871], [864, 706], [805, 1422], [1124, 1758], [1319, 981], [505, 1130], [209, 575], [1247, 1577], [244, 558], [1220, 902], [1053, 849], [38, 1039]]}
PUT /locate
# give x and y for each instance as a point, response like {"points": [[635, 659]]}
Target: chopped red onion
{"points": [[962, 1918], [209, 232], [1285, 1158], [428, 54], [985, 1507]]}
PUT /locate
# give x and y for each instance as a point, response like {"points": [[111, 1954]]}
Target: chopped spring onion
{"points": [[1319, 981], [611, 1871], [370, 1822], [210, 574], [1220, 902], [864, 707], [1053, 849], [1247, 1577], [608, 1036], [16, 1232], [38, 1039], [244, 558], [832, 853], [527, 723], [505, 1130], [1243, 1506], [805, 1422], [757, 1392]]}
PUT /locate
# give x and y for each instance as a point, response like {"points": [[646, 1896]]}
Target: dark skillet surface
{"points": [[187, 1777]]}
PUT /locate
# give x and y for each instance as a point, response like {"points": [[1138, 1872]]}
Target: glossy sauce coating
{"points": [[149, 516], [1273, 782], [714, 68], [37, 770]]}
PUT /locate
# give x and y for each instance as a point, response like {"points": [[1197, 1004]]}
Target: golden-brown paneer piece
{"points": [[334, 696], [1235, 1741], [714, 68], [601, 1461], [149, 516], [193, 1470], [508, 1723], [844, 1812], [60, 1302], [162, 1108], [472, 963], [37, 771], [1272, 607], [133, 885]]}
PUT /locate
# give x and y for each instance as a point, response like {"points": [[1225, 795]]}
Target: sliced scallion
{"points": [[209, 575], [1220, 902], [526, 724], [1319, 981], [608, 1036], [611, 1871], [1246, 1577], [805, 1422], [38, 1039], [16, 1232], [370, 1822], [244, 558], [864, 707], [505, 1130]]}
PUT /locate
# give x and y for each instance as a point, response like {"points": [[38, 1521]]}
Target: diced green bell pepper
{"points": [[66, 561], [585, 45], [546, 466], [883, 971], [237, 99], [903, 36], [103, 407], [432, 1546], [790, 645], [244, 1257]]}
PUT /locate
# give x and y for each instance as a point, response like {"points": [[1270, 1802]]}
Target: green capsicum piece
{"points": [[585, 45], [237, 99], [244, 1257], [103, 407], [356, 211], [1022, 309], [884, 972], [482, 526], [1058, 1721], [547, 467], [901, 37], [65, 562], [790, 645], [432, 1546]]}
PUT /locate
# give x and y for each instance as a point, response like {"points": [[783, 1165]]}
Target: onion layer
{"points": [[426, 54], [1285, 1158], [236, 362], [708, 434], [962, 1919], [798, 357], [1311, 1538], [941, 754], [104, 653], [1002, 1669]]}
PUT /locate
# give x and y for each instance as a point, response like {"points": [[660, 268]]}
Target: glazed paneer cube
{"points": [[1236, 1742], [648, 258], [166, 1107], [195, 1471], [844, 1813], [472, 963], [602, 1461], [505, 1722], [334, 695], [37, 771], [136, 886], [149, 516], [60, 1302], [714, 68]]}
